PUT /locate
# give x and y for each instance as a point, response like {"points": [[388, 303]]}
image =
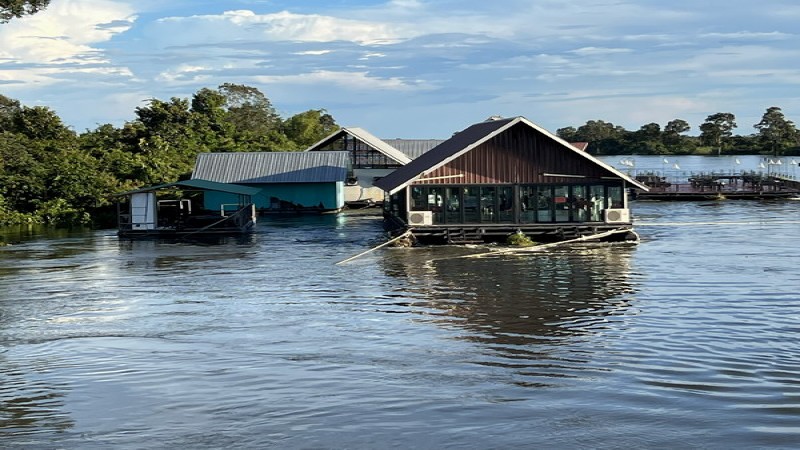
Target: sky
{"points": [[419, 69]]}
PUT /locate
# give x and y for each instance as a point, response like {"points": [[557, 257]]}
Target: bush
{"points": [[60, 212], [519, 239]]}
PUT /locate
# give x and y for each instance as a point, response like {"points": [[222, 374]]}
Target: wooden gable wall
{"points": [[520, 155]]}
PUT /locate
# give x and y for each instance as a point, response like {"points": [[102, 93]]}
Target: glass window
{"points": [[527, 204], [418, 199], [597, 197], [505, 209], [580, 205], [544, 204], [615, 199], [561, 203], [488, 203], [453, 200], [436, 203], [471, 204]]}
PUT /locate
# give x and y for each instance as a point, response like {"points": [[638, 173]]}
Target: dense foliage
{"points": [[10, 9], [776, 136], [50, 174]]}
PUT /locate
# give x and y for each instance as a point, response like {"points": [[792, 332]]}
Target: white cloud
{"points": [[65, 32], [599, 51], [183, 74], [359, 81], [232, 26], [313, 52], [748, 36]]}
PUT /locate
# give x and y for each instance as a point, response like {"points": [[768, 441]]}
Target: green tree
{"points": [[677, 126], [775, 132], [10, 9], [672, 134], [210, 125], [567, 133], [249, 110], [22, 174], [717, 130], [9, 109], [649, 132], [40, 123], [309, 127], [604, 138]]}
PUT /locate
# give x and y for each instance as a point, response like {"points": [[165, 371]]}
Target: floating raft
{"points": [[744, 186]]}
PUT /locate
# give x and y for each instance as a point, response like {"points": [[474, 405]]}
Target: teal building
{"points": [[286, 181]]}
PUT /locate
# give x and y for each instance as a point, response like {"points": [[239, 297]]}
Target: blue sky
{"points": [[415, 68]]}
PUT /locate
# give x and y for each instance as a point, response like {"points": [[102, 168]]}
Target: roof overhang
{"points": [[366, 137], [505, 127], [198, 184]]}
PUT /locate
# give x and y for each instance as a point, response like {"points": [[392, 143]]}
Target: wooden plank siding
{"points": [[520, 155]]}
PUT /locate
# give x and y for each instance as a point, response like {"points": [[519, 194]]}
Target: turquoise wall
{"points": [[309, 195]]}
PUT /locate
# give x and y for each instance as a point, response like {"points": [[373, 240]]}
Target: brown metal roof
{"points": [[469, 139]]}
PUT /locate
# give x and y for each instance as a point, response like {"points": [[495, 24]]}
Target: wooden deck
{"points": [[711, 186]]}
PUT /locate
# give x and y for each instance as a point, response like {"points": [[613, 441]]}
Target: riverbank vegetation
{"points": [[775, 135], [50, 174]]}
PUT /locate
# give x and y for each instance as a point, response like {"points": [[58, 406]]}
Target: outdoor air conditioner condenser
{"points": [[420, 217], [617, 215]]}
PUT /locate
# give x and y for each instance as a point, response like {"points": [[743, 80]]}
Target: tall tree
{"points": [[9, 108], [567, 133], [672, 132], [10, 9], [249, 110], [604, 138], [309, 127], [677, 126], [775, 131], [717, 129]]}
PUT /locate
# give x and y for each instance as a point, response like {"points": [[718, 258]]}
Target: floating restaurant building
{"points": [[502, 176], [370, 158], [284, 181], [180, 209]]}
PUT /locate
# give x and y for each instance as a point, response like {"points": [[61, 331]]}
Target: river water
{"points": [[689, 339]]}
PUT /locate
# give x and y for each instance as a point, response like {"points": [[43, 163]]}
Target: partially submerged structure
{"points": [[370, 159], [177, 210], [502, 176], [283, 181]]}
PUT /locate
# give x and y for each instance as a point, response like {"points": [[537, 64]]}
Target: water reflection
{"points": [[29, 405], [539, 308], [519, 299]]}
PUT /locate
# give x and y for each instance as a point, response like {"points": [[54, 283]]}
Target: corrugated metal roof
{"points": [[468, 139], [272, 167], [365, 137], [199, 184], [441, 154], [413, 148]]}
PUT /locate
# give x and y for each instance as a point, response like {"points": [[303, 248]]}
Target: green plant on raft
{"points": [[519, 239]]}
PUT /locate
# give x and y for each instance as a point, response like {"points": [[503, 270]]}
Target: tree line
{"points": [[51, 174], [775, 135]]}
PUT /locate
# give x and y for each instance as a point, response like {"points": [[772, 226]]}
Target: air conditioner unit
{"points": [[617, 215], [420, 218]]}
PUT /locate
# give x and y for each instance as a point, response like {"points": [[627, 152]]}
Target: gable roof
{"points": [[367, 138], [205, 185], [470, 138], [413, 148], [272, 167]]}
